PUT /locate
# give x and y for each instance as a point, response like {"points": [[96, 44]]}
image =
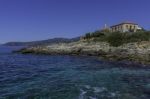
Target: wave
{"points": [[89, 92]]}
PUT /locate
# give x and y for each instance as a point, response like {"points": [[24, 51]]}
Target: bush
{"points": [[137, 37], [97, 34], [115, 39], [87, 36]]}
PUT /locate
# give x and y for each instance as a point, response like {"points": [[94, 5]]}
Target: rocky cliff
{"points": [[137, 51]]}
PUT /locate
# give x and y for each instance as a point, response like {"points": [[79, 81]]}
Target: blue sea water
{"points": [[69, 77]]}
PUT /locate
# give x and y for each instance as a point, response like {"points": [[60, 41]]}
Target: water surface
{"points": [[69, 77]]}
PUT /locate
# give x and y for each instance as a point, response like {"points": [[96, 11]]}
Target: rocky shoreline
{"points": [[137, 52]]}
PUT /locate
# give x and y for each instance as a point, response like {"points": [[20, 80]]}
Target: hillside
{"points": [[117, 38], [43, 42], [112, 46]]}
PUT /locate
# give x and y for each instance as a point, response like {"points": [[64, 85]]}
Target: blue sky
{"points": [[29, 20]]}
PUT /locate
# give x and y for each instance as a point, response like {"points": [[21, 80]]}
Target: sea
{"points": [[69, 77]]}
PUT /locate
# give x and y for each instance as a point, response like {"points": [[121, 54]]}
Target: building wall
{"points": [[124, 28]]}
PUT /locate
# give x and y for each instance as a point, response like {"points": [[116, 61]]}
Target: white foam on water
{"points": [[113, 94], [92, 98], [81, 96], [87, 86], [99, 89]]}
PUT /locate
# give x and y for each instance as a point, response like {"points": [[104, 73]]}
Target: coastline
{"points": [[137, 52]]}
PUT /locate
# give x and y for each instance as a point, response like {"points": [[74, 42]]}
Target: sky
{"points": [[30, 20]]}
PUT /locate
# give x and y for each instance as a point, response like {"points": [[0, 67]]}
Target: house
{"points": [[125, 27]]}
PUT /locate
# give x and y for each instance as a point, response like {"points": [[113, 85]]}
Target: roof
{"points": [[127, 22]]}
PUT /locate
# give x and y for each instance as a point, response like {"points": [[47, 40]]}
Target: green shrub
{"points": [[97, 34], [115, 39], [87, 36], [137, 37]]}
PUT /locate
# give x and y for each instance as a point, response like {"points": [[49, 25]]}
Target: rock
{"points": [[138, 52]]}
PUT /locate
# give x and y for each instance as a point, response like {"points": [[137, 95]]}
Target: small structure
{"points": [[105, 29], [125, 27]]}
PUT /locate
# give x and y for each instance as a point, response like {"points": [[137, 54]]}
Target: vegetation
{"points": [[117, 38]]}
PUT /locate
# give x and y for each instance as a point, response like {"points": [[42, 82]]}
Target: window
{"points": [[121, 27], [134, 27]]}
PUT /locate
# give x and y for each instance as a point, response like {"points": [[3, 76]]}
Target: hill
{"points": [[43, 42]]}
